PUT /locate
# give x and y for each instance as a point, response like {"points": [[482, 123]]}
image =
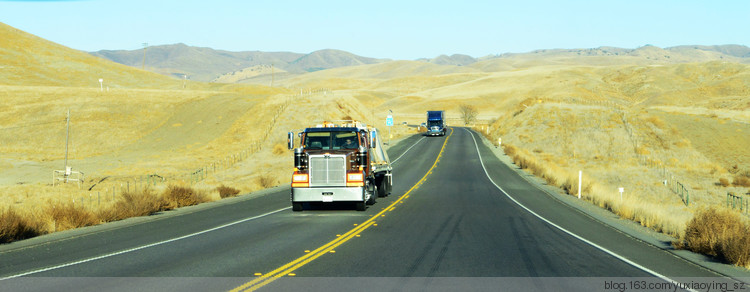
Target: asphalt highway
{"points": [[458, 218]]}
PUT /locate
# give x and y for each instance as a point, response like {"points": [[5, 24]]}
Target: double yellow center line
{"points": [[287, 269]]}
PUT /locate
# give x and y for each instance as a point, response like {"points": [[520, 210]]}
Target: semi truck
{"points": [[435, 123], [342, 162]]}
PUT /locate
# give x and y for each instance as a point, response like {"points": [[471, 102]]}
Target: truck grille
{"points": [[327, 171]]}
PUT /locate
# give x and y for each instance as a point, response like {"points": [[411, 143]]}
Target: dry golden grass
{"points": [[14, 226], [59, 215], [69, 216], [133, 204]]}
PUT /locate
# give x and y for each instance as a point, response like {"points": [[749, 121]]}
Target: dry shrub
{"points": [[68, 216], [14, 227], [510, 150], [279, 148], [133, 204], [179, 196], [723, 182], [225, 191], [741, 181], [718, 233], [266, 181]]}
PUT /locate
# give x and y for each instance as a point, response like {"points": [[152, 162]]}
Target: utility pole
{"points": [[67, 137], [143, 67]]}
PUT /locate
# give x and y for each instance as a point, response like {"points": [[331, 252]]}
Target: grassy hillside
{"points": [[29, 60]]}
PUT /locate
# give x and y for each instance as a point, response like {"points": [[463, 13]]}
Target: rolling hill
{"points": [[29, 60]]}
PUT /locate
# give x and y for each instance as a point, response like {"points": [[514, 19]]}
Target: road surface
{"points": [[458, 219]]}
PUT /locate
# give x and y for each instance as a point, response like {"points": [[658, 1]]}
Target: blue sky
{"points": [[382, 29]]}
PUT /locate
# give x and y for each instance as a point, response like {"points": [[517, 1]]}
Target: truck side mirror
{"points": [[373, 139], [290, 140]]}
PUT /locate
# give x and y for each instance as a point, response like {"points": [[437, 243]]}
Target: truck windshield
{"points": [[331, 140], [434, 123]]}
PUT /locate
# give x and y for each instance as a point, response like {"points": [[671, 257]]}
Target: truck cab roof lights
{"points": [[348, 124]]}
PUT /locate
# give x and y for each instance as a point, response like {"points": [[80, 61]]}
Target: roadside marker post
{"points": [[621, 189]]}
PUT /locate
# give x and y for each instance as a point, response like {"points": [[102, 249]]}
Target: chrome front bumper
{"points": [[328, 194]]}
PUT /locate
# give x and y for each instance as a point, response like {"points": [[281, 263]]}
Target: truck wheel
{"points": [[360, 206], [373, 195], [296, 207], [382, 190]]}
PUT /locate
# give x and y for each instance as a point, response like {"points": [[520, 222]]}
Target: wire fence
{"points": [[108, 188], [669, 179], [738, 202]]}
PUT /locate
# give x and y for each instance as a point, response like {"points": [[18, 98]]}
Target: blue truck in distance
{"points": [[435, 123]]}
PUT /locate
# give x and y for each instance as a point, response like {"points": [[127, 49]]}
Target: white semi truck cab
{"points": [[339, 163]]}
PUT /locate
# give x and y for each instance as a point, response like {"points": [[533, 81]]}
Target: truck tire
{"points": [[382, 189], [360, 206], [296, 207], [373, 195]]}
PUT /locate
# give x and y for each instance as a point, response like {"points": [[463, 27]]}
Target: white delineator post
{"points": [[67, 137], [101, 84], [621, 189]]}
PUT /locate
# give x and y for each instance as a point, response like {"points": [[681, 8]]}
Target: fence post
{"points": [[741, 205]]}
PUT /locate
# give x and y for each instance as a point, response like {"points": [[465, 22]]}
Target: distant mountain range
{"points": [[206, 64]]}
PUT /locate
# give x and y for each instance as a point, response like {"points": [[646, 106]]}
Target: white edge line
{"points": [[634, 264], [142, 247], [407, 150]]}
